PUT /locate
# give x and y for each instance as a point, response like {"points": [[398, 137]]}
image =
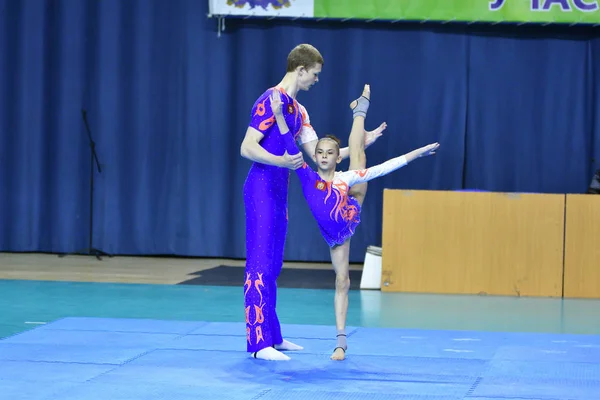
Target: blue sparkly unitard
{"points": [[265, 201], [337, 212]]}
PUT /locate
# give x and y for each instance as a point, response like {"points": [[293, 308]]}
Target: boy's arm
{"points": [[260, 126]]}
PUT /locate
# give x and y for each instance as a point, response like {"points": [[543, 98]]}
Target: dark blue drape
{"points": [[594, 68], [529, 124], [168, 103]]}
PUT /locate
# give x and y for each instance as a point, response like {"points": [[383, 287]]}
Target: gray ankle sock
{"points": [[341, 339], [362, 105]]}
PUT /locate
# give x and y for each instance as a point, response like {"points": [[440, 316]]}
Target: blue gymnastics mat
{"points": [[128, 359]]}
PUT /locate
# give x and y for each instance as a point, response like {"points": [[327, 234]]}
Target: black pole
{"points": [[93, 156]]}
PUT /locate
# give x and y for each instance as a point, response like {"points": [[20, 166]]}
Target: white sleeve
{"points": [[365, 175], [307, 132]]}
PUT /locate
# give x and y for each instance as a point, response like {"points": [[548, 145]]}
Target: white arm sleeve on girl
{"points": [[365, 175], [307, 132]]}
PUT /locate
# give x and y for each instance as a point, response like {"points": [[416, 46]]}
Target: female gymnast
{"points": [[335, 198]]}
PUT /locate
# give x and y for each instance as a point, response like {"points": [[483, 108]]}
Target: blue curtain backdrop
{"points": [[168, 103], [594, 68]]}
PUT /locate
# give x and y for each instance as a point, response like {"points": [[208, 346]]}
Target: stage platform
{"points": [[100, 358]]}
